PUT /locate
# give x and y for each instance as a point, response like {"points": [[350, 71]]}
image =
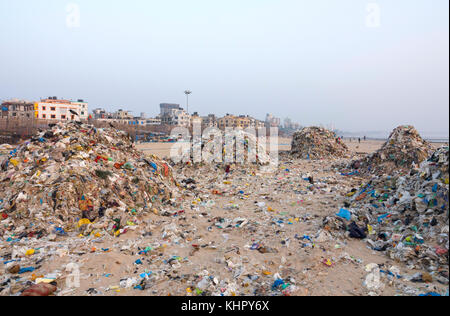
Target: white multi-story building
{"points": [[61, 110], [176, 117], [83, 108], [123, 115], [166, 108], [209, 121]]}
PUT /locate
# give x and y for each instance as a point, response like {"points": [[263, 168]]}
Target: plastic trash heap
{"points": [[404, 149], [317, 143], [75, 177], [406, 216]]}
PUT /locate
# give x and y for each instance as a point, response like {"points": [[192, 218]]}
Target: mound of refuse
{"points": [[317, 143], [239, 146], [5, 149], [406, 217], [75, 178], [404, 149]]}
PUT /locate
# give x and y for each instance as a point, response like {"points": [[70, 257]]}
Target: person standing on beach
{"points": [[227, 171]]}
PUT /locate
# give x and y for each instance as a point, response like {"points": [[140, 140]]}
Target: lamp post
{"points": [[187, 93]]}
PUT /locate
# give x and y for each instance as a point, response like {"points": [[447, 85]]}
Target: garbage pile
{"points": [[5, 149], [405, 216], [233, 231], [404, 149], [317, 143], [237, 146], [74, 178]]}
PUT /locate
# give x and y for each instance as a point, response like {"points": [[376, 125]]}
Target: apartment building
{"points": [[63, 110], [226, 121], [257, 124], [83, 108], [209, 121], [242, 121], [176, 117], [167, 108], [122, 115], [17, 109]]}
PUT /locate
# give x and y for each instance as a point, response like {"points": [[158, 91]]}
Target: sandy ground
{"points": [[210, 237], [370, 146], [284, 144]]}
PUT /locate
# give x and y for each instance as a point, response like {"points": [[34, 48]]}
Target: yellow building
{"points": [[226, 121], [242, 122]]}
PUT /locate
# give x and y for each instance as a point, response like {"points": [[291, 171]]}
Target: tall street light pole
{"points": [[187, 93]]}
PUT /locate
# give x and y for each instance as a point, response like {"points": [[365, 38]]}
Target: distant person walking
{"points": [[359, 140]]}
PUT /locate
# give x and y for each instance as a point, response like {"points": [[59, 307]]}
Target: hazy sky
{"points": [[316, 61]]}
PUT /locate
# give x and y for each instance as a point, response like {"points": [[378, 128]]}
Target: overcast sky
{"points": [[316, 61]]}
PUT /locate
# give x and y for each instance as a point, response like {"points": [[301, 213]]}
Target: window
{"points": [[53, 116], [44, 116], [52, 109], [63, 117], [43, 108], [73, 117]]}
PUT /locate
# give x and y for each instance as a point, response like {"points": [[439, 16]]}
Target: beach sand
{"points": [[284, 144]]}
